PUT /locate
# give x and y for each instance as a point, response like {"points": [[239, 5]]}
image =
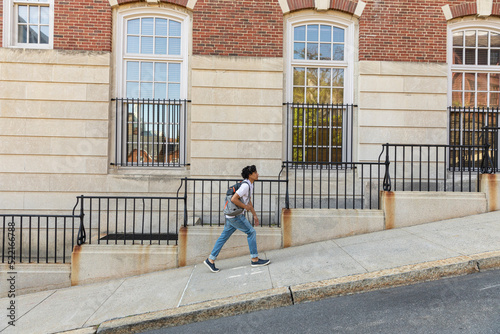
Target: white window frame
{"points": [[121, 58], [349, 53], [347, 64], [10, 26], [471, 25]]}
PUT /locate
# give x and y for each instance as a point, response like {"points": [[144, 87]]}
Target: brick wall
{"points": [[238, 28], [82, 25], [1, 23], [408, 30]]}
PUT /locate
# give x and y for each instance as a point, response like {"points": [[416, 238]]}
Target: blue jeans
{"points": [[241, 223]]}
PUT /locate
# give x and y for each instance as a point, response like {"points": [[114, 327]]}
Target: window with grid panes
{"points": [[475, 90], [29, 23], [153, 64], [318, 68]]}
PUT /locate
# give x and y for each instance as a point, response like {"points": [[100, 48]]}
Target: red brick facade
{"points": [[347, 6], [389, 30], [1, 23], [238, 28], [82, 25]]}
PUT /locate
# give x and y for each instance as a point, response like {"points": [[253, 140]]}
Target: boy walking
{"points": [[242, 199]]}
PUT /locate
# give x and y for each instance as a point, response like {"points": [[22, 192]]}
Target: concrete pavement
{"points": [[298, 274]]}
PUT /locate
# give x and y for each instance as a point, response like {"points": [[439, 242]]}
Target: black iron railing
{"points": [[414, 167], [133, 220], [319, 132], [475, 126], [205, 200], [150, 132], [334, 185], [40, 238]]}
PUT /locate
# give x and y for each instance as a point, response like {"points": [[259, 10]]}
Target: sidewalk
{"points": [[297, 274]]}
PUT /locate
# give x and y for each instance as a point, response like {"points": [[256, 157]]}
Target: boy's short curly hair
{"points": [[247, 171]]}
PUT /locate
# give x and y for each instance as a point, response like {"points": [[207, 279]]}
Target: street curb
{"points": [[235, 305], [410, 274], [287, 296]]}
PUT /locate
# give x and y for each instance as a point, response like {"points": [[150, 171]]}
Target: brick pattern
{"points": [[238, 28], [405, 30], [1, 23], [344, 5], [182, 3], [300, 4], [465, 9], [347, 6], [82, 25], [496, 9]]}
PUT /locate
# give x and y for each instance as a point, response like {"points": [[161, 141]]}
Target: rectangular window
{"points": [[319, 120], [29, 23], [151, 114]]}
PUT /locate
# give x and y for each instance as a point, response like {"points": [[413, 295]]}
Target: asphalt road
{"points": [[466, 304]]}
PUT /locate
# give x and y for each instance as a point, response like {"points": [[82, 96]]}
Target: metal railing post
{"points": [[386, 185], [81, 231]]}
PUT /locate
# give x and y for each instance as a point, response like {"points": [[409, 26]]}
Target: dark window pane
{"points": [[470, 56], [482, 56], [458, 56], [495, 57]]}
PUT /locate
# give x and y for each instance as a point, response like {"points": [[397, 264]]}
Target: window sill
{"points": [[183, 171]]}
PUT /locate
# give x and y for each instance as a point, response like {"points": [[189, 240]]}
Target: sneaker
{"points": [[211, 266], [260, 263]]}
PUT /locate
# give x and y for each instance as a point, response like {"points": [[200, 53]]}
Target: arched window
{"points": [[474, 62], [475, 68], [318, 63], [319, 88], [151, 116]]}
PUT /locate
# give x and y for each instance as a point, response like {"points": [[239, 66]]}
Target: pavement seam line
{"points": [[437, 244], [104, 302], [185, 288], [31, 309], [342, 248]]}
